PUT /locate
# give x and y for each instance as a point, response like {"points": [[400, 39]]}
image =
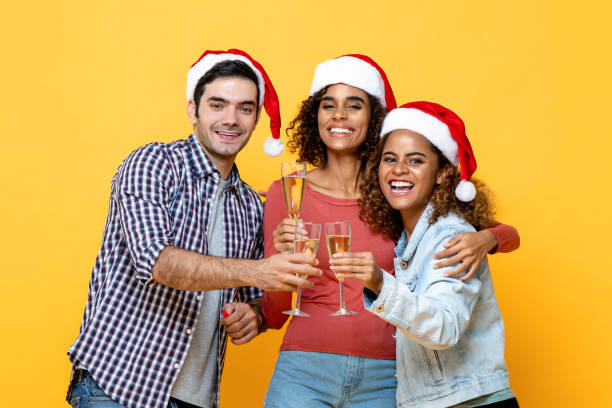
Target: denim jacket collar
{"points": [[405, 247]]}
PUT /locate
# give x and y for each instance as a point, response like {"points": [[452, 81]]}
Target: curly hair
{"points": [[382, 218], [303, 131]]}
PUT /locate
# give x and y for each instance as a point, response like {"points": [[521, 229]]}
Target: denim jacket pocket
{"points": [[433, 364]]}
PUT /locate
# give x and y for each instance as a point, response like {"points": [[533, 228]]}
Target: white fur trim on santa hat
{"points": [[465, 191], [350, 71], [205, 64], [430, 127], [273, 147]]}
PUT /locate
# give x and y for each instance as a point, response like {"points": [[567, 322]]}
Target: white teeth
{"points": [[226, 133], [340, 130], [397, 184]]}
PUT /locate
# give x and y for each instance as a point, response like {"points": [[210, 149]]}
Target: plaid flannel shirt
{"points": [[135, 332]]}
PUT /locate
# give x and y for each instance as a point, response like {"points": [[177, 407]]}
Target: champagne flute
{"points": [[293, 176], [306, 241], [338, 238]]}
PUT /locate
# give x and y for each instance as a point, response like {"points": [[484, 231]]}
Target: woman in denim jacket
{"points": [[450, 342]]}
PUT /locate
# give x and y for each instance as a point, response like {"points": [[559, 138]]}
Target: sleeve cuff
{"points": [[248, 293], [376, 304], [144, 264]]}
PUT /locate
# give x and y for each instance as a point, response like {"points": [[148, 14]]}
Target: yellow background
{"points": [[85, 83]]}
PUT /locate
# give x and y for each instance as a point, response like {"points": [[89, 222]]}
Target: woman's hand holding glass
{"points": [[358, 265], [284, 235]]}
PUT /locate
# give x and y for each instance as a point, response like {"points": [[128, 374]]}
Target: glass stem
{"points": [[342, 304], [298, 296]]}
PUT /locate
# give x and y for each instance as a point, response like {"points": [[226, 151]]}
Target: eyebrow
{"points": [[415, 154], [350, 98], [408, 154], [219, 99]]}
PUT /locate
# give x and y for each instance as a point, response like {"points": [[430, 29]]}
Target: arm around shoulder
{"points": [[507, 236]]}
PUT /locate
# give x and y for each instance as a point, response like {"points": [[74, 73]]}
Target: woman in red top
{"points": [[328, 360]]}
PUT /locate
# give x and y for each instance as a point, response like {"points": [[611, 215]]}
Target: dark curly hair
{"points": [[382, 218], [303, 131]]}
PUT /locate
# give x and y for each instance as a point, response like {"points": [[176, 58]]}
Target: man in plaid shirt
{"points": [[181, 246]]}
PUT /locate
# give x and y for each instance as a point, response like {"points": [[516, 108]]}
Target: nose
{"points": [[340, 113], [400, 168], [230, 117]]}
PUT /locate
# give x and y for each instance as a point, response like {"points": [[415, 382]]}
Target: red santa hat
{"points": [[445, 130], [273, 146], [355, 70]]}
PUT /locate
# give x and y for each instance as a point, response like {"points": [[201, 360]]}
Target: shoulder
{"points": [[450, 224], [160, 161], [276, 187], [155, 155], [275, 191]]}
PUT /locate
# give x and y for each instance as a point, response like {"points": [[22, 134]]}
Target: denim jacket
{"points": [[450, 338]]}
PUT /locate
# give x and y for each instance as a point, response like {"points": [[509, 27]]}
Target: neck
{"points": [[410, 218], [342, 174], [223, 164]]}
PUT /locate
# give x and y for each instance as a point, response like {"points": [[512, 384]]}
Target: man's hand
{"points": [[242, 323], [358, 265], [469, 248], [284, 272]]}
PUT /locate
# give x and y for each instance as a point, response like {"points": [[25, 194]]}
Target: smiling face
{"points": [[227, 116], [343, 118], [408, 172]]}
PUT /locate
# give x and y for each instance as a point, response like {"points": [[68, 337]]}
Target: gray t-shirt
{"points": [[197, 380]]}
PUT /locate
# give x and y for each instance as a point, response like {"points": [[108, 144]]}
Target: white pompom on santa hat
{"points": [[273, 146], [355, 70], [445, 130]]}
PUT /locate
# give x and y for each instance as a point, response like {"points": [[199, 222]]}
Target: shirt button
{"points": [[404, 264], [177, 366], [199, 297], [188, 331], [209, 200], [380, 308]]}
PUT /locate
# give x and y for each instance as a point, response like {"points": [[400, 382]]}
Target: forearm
{"points": [[506, 236], [435, 319], [188, 270]]}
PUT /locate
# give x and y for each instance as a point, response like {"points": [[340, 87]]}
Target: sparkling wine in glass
{"points": [[293, 176], [338, 239], [306, 241]]}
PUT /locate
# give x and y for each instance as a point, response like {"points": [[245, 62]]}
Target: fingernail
{"points": [[436, 266], [224, 313]]}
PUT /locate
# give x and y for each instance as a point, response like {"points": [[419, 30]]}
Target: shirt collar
{"points": [[204, 167], [405, 247]]}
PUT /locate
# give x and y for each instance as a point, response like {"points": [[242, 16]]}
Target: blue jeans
{"points": [[311, 379], [86, 394]]}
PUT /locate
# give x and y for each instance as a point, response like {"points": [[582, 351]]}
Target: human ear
{"points": [[258, 114], [191, 112]]}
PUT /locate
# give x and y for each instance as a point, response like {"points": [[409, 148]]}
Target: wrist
{"points": [[247, 272], [491, 239], [378, 283]]}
